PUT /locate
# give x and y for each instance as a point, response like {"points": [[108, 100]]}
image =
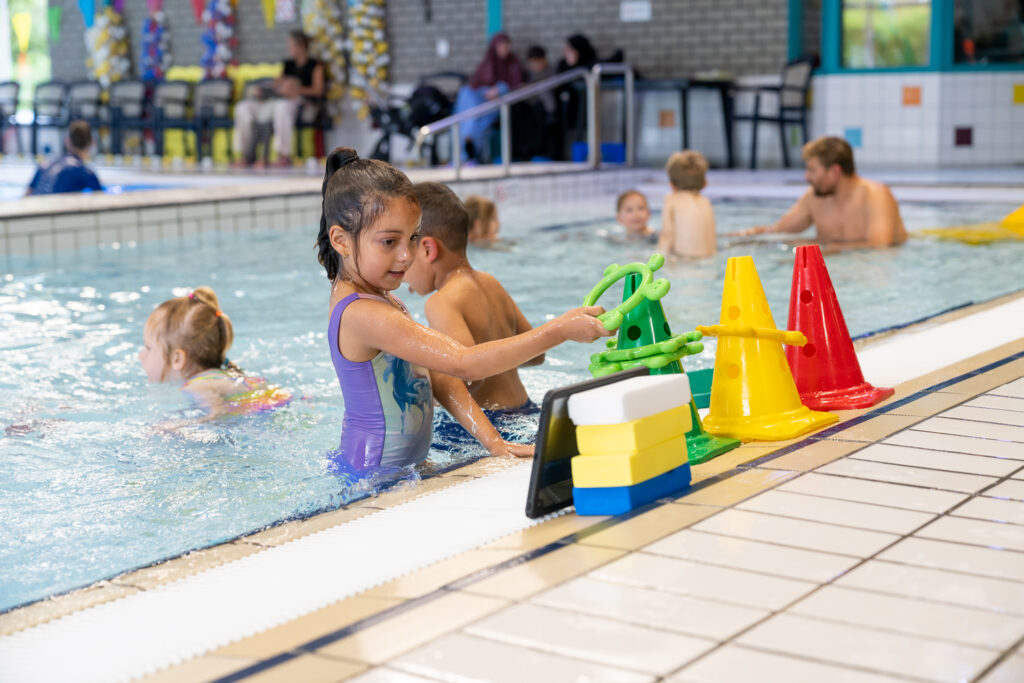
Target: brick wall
{"points": [[684, 36], [256, 43]]}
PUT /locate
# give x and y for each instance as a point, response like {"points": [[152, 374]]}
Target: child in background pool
{"points": [[185, 340], [470, 306], [367, 241], [483, 219], [633, 213], [687, 220]]}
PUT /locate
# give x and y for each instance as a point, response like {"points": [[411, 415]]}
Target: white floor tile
{"points": [[855, 646], [997, 402], [1003, 417], [467, 658], [876, 492], [593, 639], [957, 444], [899, 474], [1013, 389], [1011, 670], [986, 430], [992, 509], [384, 675], [1012, 489], [957, 557], [646, 607], [740, 553], [735, 663], [976, 532], [953, 462], [796, 532], [831, 511], [914, 617], [703, 581], [982, 592]]}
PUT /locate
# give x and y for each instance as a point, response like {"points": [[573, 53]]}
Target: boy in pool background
{"points": [[483, 219], [633, 213], [468, 305], [68, 173], [687, 219]]}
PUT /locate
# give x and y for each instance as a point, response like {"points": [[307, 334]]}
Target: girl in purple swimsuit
{"points": [[385, 360]]}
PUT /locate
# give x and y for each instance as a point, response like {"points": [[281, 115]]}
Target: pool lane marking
{"points": [[575, 537]]}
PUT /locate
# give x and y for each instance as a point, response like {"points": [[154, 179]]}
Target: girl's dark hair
{"points": [[356, 193]]}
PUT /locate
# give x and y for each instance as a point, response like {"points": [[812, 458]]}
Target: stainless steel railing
{"points": [[592, 79]]}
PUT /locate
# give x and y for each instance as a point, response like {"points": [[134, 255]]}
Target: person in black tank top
{"points": [[301, 80]]}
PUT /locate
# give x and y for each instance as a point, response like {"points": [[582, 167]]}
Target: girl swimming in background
{"points": [[185, 339], [384, 360]]}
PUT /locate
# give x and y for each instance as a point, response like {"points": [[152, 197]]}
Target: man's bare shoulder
{"points": [[877, 191]]}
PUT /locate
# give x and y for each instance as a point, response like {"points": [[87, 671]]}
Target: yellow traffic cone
{"points": [[753, 396]]}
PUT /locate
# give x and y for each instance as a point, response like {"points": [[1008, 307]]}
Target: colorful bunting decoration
{"points": [[88, 9], [55, 15], [219, 38], [156, 43]]}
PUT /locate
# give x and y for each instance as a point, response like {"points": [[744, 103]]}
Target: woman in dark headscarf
{"points": [[498, 72], [578, 53]]}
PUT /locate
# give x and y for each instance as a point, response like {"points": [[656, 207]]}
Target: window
{"points": [[988, 31], [886, 33]]}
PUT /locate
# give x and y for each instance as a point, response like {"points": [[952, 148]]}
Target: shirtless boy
{"points": [[687, 219], [849, 212], [468, 305]]}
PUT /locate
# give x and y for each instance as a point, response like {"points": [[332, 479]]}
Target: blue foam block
{"points": [[614, 500]]}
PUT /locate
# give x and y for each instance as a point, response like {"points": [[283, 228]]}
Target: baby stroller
{"points": [[431, 100]]}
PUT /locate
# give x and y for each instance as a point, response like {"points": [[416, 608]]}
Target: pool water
{"points": [[92, 484]]}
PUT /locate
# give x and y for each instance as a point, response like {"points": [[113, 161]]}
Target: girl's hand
{"points": [[581, 325], [506, 449]]}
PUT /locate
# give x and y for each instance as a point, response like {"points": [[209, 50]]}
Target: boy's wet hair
{"points": [[444, 215], [687, 170], [831, 150], [79, 134], [626, 195], [196, 325], [536, 52], [480, 209], [356, 193]]}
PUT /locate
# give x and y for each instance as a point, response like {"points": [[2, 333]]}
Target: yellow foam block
{"points": [[589, 471], [635, 436]]}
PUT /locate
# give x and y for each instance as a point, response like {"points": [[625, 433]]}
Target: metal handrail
{"points": [[592, 79]]}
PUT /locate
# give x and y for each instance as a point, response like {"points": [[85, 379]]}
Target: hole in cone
{"points": [[808, 350], [668, 330], [733, 371], [806, 296], [733, 312], [633, 332]]}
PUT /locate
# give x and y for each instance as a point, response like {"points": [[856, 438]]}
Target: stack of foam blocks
{"points": [[631, 438]]}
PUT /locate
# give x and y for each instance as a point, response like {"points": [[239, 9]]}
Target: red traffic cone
{"points": [[826, 370]]}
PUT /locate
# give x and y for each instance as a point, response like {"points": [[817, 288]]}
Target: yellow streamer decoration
{"points": [[22, 23]]}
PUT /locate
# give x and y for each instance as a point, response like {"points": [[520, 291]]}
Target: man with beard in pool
{"points": [[849, 212]]}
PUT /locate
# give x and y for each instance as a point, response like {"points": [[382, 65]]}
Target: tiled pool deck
{"points": [[889, 545]]}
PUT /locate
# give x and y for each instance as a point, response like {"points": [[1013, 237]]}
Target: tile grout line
{"points": [[901, 538], [573, 538]]}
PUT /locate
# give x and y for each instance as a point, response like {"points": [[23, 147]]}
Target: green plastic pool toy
{"points": [[649, 289], [645, 339]]}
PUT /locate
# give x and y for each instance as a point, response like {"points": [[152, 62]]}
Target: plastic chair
{"points": [[8, 111], [791, 96], [48, 109], [211, 109], [128, 110], [171, 101]]}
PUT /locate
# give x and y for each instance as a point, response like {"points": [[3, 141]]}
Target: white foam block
{"points": [[628, 400]]}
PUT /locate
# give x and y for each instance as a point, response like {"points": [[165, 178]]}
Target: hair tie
{"points": [[191, 295], [217, 313]]}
